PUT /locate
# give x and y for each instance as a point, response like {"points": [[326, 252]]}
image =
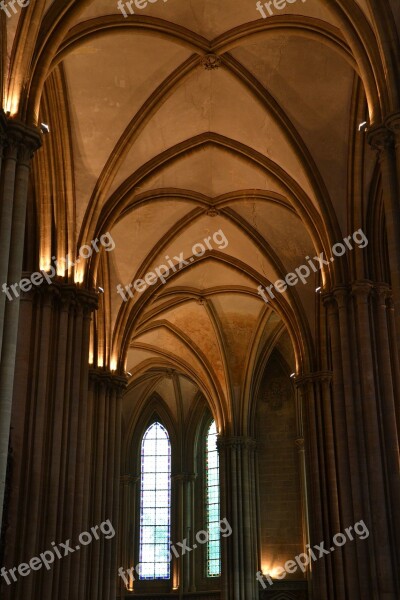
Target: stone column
{"points": [[19, 144], [190, 572], [48, 437], [106, 390], [321, 490], [239, 506], [379, 437], [353, 449], [393, 357], [185, 510], [178, 482], [127, 528], [385, 139], [387, 380]]}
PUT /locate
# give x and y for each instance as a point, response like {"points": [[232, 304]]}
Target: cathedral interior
{"points": [[200, 299]]}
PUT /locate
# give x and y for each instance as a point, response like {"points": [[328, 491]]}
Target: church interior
{"points": [[200, 299]]}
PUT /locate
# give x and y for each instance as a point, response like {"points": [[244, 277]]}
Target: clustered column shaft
{"points": [[17, 145], [239, 506], [352, 446]]}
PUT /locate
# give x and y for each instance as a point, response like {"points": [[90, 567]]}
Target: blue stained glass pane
{"points": [[212, 504], [155, 505]]}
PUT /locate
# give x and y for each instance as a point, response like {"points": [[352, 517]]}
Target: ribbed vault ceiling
{"points": [[166, 151]]}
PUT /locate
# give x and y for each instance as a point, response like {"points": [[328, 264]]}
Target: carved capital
{"points": [[328, 300], [21, 141], [236, 442], [380, 138], [362, 290], [105, 377], [393, 124], [382, 293], [341, 294], [184, 477], [69, 294], [310, 378]]}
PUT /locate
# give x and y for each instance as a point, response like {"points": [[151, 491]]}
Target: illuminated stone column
{"points": [[18, 144], [127, 527], [239, 507], [49, 438], [352, 448], [178, 482], [385, 139], [320, 493], [381, 443], [190, 572], [106, 389]]}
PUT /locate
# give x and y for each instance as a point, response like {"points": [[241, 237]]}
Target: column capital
{"points": [[22, 139], [382, 293], [328, 299], [3, 127], [380, 138], [107, 378], [236, 441], [393, 124], [184, 477], [317, 377], [341, 295], [362, 289], [3, 120], [69, 293]]}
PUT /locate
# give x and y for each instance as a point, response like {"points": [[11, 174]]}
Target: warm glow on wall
{"points": [[79, 273], [91, 346], [12, 105], [113, 364], [272, 572], [44, 263], [175, 584], [62, 268]]}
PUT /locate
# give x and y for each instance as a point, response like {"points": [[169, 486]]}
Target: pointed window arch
{"points": [[155, 503], [213, 503]]}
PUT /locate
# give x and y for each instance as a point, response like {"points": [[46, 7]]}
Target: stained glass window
{"points": [[155, 504], [212, 504]]}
